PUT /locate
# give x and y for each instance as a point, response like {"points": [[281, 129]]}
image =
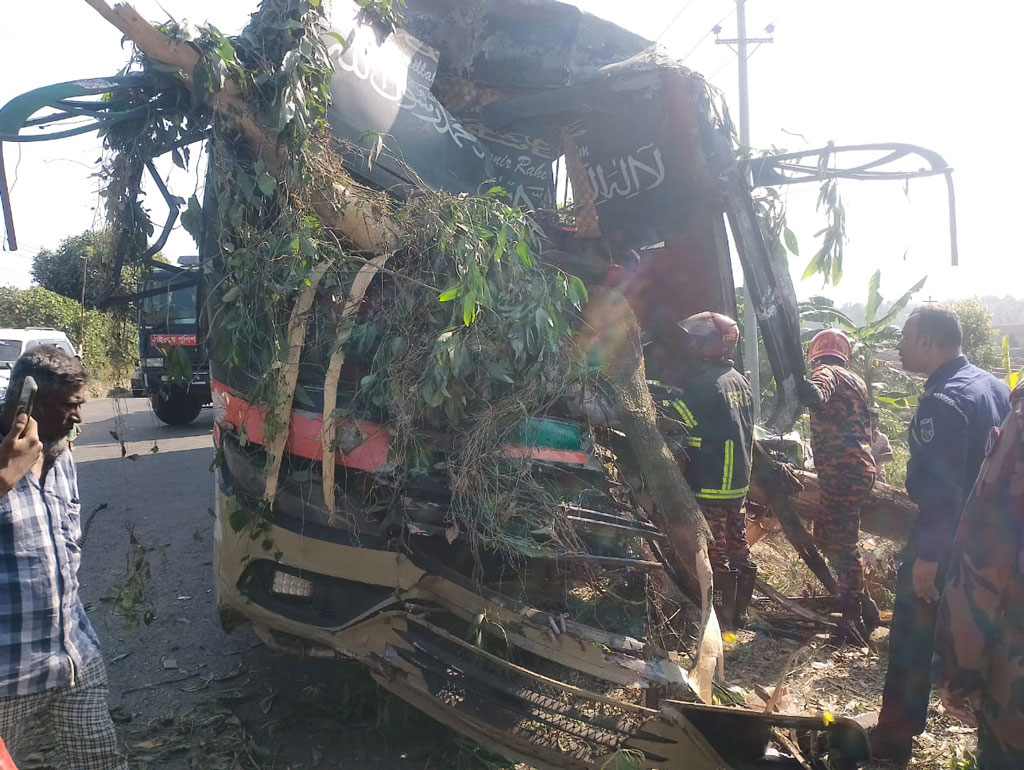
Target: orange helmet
{"points": [[830, 342], [709, 335]]}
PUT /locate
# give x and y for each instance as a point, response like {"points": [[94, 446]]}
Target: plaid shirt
{"points": [[45, 636]]}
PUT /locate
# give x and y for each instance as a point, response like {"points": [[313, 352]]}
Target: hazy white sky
{"points": [[929, 72]]}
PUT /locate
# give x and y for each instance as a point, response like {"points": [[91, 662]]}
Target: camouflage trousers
{"points": [[728, 525], [837, 528], [994, 754]]}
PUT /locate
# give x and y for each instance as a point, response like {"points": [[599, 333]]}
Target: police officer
{"points": [[714, 407], [955, 418], [979, 640], [841, 441]]}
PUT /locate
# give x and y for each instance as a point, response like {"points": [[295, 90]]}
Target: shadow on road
{"points": [[141, 426]]}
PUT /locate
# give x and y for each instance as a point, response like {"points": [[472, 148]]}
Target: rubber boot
{"points": [[869, 614], [744, 592], [723, 597]]}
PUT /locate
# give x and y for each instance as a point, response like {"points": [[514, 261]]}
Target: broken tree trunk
{"points": [[329, 431], [280, 412], [612, 340], [343, 209], [887, 513], [767, 474]]}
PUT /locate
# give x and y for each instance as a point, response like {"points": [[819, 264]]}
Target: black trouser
{"points": [[908, 680]]}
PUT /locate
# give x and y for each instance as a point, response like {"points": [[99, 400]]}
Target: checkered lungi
{"points": [[76, 717]]}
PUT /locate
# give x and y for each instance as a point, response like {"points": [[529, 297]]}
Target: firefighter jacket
{"points": [[714, 412], [840, 427], [979, 641], [948, 435]]}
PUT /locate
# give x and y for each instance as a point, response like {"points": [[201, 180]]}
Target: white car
{"points": [[14, 342]]}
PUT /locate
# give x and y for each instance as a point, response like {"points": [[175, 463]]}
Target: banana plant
{"points": [[877, 333]]}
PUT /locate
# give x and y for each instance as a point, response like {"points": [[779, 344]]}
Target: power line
{"points": [[674, 20], [707, 35]]}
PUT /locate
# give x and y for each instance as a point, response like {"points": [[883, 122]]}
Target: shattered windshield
{"points": [[9, 352]]}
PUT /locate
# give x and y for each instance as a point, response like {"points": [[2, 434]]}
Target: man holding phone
{"points": [[50, 663]]}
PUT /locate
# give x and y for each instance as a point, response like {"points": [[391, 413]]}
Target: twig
{"points": [[161, 683], [784, 601], [791, 747], [87, 524]]}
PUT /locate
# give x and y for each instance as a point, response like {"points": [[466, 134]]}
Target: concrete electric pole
{"points": [[743, 53]]}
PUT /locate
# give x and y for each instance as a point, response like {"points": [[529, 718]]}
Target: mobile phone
{"points": [[27, 399]]}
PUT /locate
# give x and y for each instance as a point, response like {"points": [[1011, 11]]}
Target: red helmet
{"points": [[710, 335], [830, 342]]}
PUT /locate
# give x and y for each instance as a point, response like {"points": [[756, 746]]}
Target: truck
{"points": [[407, 474], [173, 370]]}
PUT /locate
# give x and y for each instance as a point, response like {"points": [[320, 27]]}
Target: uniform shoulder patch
{"points": [[927, 430], [948, 401]]}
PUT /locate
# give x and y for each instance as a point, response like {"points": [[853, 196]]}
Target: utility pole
{"points": [[741, 41]]}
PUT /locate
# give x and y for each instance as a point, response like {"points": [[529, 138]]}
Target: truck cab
{"points": [[173, 370]]}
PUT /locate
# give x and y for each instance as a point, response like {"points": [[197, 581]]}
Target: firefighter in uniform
{"points": [[714, 407], [979, 638], [954, 422], [841, 441]]}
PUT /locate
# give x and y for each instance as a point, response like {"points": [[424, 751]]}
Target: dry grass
{"points": [[846, 681]]}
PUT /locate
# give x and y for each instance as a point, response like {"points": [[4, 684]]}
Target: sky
{"points": [[928, 72]]}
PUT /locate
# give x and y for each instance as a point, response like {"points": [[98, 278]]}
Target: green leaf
{"points": [[468, 309], [238, 517], [837, 269], [523, 250], [303, 398], [225, 50], [814, 266], [499, 249], [449, 294], [898, 305], [266, 184], [874, 297], [192, 218], [791, 243], [577, 291]]}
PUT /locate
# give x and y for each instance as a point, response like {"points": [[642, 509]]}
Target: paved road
{"points": [[186, 694]]}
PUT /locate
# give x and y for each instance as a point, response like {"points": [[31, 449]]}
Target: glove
{"points": [[807, 394], [789, 481]]}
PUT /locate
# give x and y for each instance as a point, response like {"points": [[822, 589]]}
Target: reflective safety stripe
{"points": [[694, 441], [684, 412], [728, 466], [730, 449], [722, 494]]}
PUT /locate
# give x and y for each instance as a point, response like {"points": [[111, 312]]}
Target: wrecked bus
{"points": [[628, 171], [532, 98]]}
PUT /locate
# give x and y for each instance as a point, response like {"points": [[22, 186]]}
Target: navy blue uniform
{"points": [[955, 419], [948, 437]]}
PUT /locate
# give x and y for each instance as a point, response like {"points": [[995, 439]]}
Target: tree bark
{"points": [[887, 513], [612, 340], [350, 214]]}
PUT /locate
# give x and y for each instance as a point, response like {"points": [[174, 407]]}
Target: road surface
{"points": [[185, 694]]}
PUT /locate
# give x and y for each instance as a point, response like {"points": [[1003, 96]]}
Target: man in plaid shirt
{"points": [[50, 663]]}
